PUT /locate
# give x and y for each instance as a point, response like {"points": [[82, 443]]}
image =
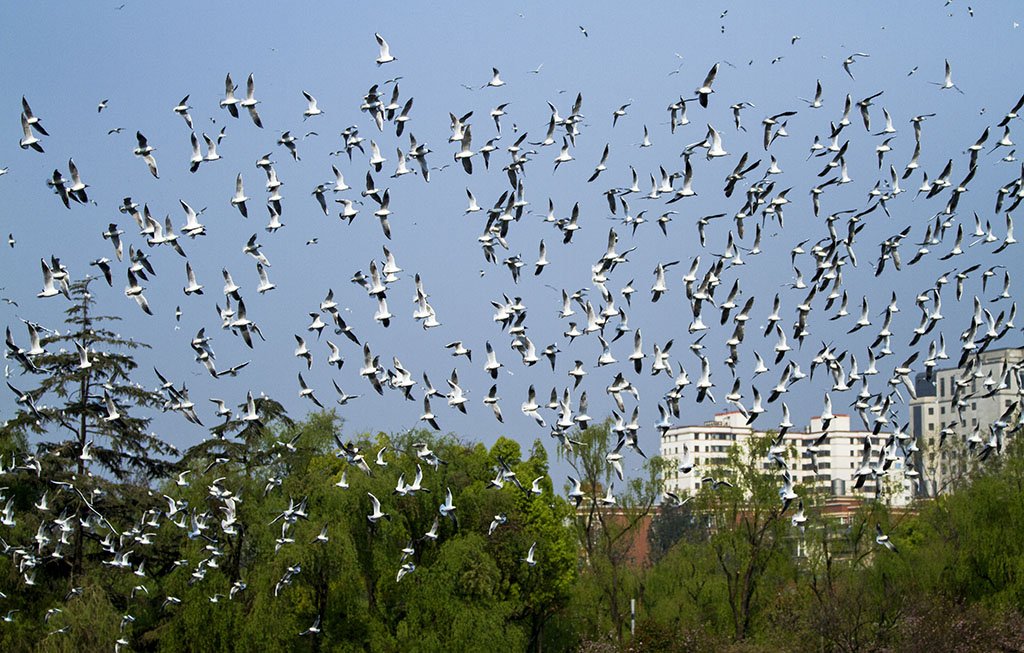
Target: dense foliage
{"points": [[265, 537], [727, 570]]}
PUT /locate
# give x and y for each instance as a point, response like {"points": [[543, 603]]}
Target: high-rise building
{"points": [[957, 413]]}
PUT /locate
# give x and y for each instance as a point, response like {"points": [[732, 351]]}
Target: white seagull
{"points": [[385, 51]]}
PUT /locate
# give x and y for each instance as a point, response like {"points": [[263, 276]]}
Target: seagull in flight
{"points": [[529, 556], [496, 80], [883, 539], [312, 109], [376, 514], [385, 51], [948, 80], [849, 61]]}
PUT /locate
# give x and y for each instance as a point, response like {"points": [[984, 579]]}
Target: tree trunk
{"points": [[76, 558], [613, 595]]}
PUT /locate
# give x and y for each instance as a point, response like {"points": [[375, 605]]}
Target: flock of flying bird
{"points": [[600, 312]]}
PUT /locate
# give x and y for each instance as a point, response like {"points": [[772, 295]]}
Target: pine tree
{"points": [[78, 425], [81, 446]]}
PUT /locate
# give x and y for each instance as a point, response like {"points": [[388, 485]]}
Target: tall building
{"points": [[954, 414], [828, 467]]}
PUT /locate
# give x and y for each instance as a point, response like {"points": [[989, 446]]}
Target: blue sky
{"points": [[144, 57]]}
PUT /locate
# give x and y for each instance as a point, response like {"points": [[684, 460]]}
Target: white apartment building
{"points": [[837, 458]]}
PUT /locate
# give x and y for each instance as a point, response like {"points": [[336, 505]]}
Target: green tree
{"points": [[80, 375], [608, 534], [94, 464], [672, 524], [750, 538], [852, 603], [70, 411]]}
